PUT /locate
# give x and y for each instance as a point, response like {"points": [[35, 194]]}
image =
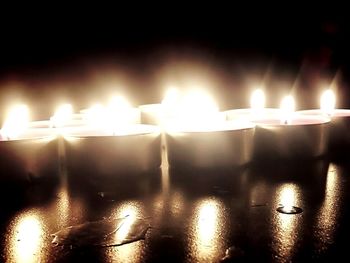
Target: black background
{"points": [[60, 55]]}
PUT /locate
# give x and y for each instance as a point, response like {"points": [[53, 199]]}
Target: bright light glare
{"points": [[29, 239], [129, 211], [17, 121], [62, 115], [257, 100], [118, 104], [287, 109], [97, 116], [120, 114], [208, 230], [286, 228], [288, 197], [197, 109], [207, 222], [327, 102], [171, 97]]}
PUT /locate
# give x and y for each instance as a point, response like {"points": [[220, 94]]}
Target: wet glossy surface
{"points": [[195, 216]]}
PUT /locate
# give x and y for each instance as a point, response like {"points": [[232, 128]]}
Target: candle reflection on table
{"points": [[130, 253], [177, 204], [329, 212], [27, 238], [67, 210], [208, 230], [286, 228]]}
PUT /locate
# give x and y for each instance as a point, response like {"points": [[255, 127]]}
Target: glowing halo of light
{"points": [[16, 122], [63, 114], [257, 100], [96, 116], [197, 109], [327, 102], [27, 238], [171, 97], [287, 108]]}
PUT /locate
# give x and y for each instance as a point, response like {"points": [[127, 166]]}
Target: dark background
{"points": [[54, 56]]}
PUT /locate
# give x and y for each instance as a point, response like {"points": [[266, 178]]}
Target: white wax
{"points": [[296, 120], [215, 127], [251, 114], [85, 131], [32, 133], [337, 113]]}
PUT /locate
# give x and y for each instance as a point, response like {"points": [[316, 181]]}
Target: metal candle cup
{"points": [[33, 155], [228, 145], [339, 136], [304, 138], [98, 152]]}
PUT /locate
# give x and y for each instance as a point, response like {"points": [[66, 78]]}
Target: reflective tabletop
{"points": [[218, 215]]}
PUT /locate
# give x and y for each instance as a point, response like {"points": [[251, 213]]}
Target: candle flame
{"points": [[287, 109], [197, 109], [97, 116], [257, 100], [16, 122], [120, 114], [62, 116], [171, 97], [327, 102], [118, 103]]}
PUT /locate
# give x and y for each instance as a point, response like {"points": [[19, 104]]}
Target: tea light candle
{"points": [[26, 153], [228, 144], [290, 136], [200, 137], [339, 136], [127, 150], [256, 111]]}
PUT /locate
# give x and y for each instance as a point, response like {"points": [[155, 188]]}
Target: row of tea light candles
{"points": [[197, 133]]}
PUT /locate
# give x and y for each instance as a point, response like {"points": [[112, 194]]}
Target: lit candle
{"points": [[287, 109], [26, 152], [256, 111], [199, 137], [290, 135], [339, 137], [110, 142], [327, 106]]}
